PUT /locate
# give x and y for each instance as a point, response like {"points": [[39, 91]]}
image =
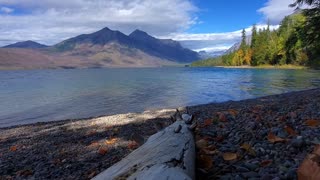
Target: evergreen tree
{"points": [[297, 41], [253, 36], [244, 39], [311, 40]]}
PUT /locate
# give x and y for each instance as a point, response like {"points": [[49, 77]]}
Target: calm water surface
{"points": [[46, 95]]}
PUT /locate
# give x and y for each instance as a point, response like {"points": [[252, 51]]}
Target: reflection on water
{"points": [[45, 95]]}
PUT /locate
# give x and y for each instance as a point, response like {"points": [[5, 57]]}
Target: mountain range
{"points": [[26, 44], [104, 48], [237, 45]]}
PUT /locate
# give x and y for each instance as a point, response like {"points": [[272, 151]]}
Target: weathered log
{"points": [[168, 154]]}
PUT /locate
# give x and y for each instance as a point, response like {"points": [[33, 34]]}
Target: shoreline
{"points": [[293, 67], [67, 121], [82, 148]]}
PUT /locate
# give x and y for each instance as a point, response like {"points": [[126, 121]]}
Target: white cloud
{"points": [[213, 41], [6, 10], [234, 35], [51, 21], [276, 10], [213, 49]]}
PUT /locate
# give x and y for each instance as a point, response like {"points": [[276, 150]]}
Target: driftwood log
{"points": [[168, 154]]}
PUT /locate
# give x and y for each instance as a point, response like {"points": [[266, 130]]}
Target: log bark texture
{"points": [[168, 154]]}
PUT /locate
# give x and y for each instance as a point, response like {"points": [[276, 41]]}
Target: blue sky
{"points": [[211, 25], [226, 16]]}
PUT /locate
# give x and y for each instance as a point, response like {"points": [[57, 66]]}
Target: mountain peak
{"points": [[105, 29], [139, 40], [139, 33], [26, 44], [101, 37], [107, 32]]}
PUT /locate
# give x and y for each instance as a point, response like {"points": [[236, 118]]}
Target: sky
{"points": [[211, 25]]}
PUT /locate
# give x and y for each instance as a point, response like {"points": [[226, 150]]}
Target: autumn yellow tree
{"points": [[247, 57], [234, 59], [240, 57]]}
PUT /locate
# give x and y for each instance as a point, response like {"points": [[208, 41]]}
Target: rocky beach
{"points": [[263, 138], [74, 149]]}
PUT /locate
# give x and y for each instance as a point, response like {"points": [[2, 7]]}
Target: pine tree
{"points": [[244, 39], [253, 36]]}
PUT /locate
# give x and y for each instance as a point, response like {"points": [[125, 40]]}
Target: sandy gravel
{"points": [[75, 149]]}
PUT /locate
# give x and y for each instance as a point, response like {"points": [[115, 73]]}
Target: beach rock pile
{"points": [[74, 149], [265, 138]]}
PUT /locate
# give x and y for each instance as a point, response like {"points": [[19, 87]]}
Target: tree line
{"points": [[295, 42]]}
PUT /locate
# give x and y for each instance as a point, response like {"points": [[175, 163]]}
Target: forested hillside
{"points": [[295, 42]]}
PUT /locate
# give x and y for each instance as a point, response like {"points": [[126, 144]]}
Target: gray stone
{"points": [[253, 178], [263, 151], [282, 134], [241, 169], [276, 178], [250, 174], [275, 130], [251, 166], [291, 174], [266, 177], [298, 142], [287, 164], [187, 118], [226, 177], [237, 177], [263, 133]]}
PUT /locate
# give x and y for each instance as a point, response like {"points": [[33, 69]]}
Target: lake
{"points": [[48, 95]]}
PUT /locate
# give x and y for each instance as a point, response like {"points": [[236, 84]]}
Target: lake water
{"points": [[47, 95]]}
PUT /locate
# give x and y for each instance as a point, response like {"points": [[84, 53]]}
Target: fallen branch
{"points": [[168, 154]]}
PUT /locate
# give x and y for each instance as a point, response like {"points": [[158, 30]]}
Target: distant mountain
{"points": [[211, 54], [237, 45], [139, 40], [233, 48], [27, 45], [102, 37], [21, 58], [163, 48], [104, 48]]}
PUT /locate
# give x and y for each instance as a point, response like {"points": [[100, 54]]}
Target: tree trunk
{"points": [[168, 154]]}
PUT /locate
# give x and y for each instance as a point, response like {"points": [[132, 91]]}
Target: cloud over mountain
{"points": [[276, 10], [49, 21], [213, 41]]}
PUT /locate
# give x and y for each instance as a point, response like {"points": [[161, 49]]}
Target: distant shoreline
{"points": [[264, 67], [162, 66]]}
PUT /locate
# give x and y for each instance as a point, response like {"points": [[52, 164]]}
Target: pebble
{"points": [[187, 118], [247, 127], [226, 177], [250, 174], [282, 134], [238, 177], [251, 166], [241, 169], [287, 164], [298, 142], [291, 174], [266, 177]]}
